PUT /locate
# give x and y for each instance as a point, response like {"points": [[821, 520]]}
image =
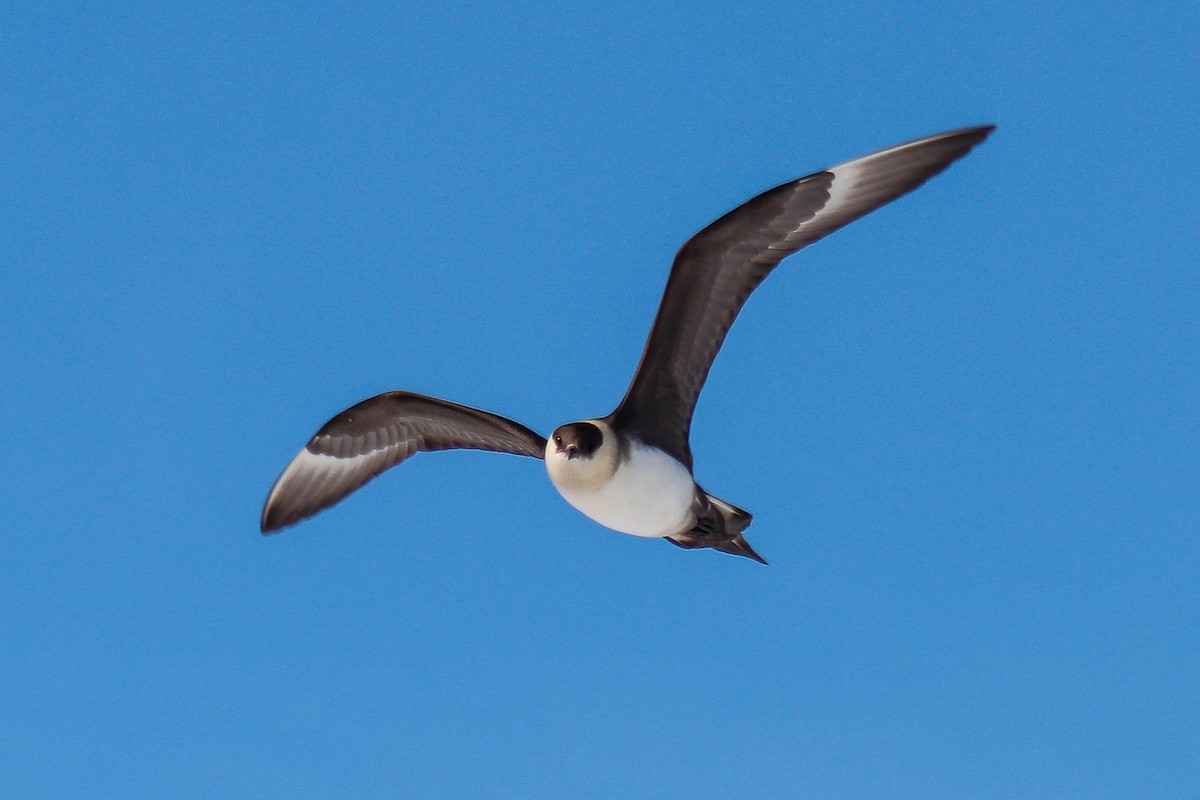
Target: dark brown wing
{"points": [[378, 433], [718, 268]]}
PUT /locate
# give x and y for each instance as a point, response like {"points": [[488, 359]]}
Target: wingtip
{"points": [[977, 133], [270, 522], [985, 130], [970, 136]]}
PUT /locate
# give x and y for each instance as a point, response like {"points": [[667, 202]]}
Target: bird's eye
{"points": [[558, 440]]}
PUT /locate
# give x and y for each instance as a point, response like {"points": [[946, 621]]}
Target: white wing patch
{"points": [[322, 480], [862, 184]]}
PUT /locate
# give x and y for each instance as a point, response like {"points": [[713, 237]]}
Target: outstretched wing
{"points": [[378, 433], [718, 268]]}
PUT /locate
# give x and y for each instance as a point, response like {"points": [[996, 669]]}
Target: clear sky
{"points": [[966, 425]]}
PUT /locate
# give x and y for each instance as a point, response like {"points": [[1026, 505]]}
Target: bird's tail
{"points": [[735, 520]]}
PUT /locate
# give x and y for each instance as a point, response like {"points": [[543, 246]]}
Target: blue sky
{"points": [[966, 425]]}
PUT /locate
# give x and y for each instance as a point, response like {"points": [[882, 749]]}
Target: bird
{"points": [[631, 471]]}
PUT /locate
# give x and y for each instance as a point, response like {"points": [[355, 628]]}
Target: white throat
{"points": [[643, 491]]}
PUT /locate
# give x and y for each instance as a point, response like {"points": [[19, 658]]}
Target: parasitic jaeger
{"points": [[631, 470]]}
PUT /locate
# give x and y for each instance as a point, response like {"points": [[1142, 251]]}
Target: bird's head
{"points": [[577, 440], [581, 455]]}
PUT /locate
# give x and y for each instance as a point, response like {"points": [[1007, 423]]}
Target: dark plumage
{"points": [[631, 470], [377, 434], [717, 269]]}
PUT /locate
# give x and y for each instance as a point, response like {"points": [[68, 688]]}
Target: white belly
{"points": [[649, 494]]}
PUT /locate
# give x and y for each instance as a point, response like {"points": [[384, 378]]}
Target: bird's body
{"points": [[630, 487], [637, 488], [631, 471]]}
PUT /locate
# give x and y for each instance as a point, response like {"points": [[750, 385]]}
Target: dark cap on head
{"points": [[578, 439]]}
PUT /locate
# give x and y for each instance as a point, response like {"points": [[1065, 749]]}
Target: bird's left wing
{"points": [[718, 268], [379, 433]]}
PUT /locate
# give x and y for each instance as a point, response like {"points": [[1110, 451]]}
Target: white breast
{"points": [[648, 493]]}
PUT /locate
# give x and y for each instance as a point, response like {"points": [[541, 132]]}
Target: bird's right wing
{"points": [[379, 433]]}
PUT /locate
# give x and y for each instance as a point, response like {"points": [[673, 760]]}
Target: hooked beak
{"points": [[571, 450]]}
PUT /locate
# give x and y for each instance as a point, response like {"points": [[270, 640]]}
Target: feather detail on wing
{"points": [[717, 269], [379, 433]]}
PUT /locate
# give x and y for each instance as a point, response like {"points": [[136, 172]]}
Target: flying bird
{"points": [[631, 470]]}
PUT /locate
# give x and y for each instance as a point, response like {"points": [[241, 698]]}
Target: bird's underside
{"points": [[712, 276]]}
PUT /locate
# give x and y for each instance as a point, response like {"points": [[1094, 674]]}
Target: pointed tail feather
{"points": [[736, 520], [738, 546]]}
